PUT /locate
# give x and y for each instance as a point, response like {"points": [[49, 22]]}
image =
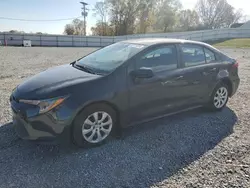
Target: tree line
{"points": [[22, 32], [124, 17]]}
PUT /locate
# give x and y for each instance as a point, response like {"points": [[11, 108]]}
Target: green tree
{"points": [[123, 14], [146, 15], [140, 16], [75, 28], [69, 29], [188, 20], [78, 26], [100, 27], [101, 11], [167, 11]]}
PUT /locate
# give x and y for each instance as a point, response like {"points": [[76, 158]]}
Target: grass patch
{"points": [[235, 43]]}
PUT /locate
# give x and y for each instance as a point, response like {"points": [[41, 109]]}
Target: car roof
{"points": [[153, 41]]}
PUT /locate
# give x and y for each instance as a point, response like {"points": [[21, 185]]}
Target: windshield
{"points": [[109, 58]]}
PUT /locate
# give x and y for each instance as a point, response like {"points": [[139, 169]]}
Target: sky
{"points": [[60, 9]]}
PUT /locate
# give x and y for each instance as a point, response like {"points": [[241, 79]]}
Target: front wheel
{"points": [[94, 125], [219, 97]]}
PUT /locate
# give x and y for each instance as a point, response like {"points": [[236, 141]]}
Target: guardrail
{"points": [[100, 41]]}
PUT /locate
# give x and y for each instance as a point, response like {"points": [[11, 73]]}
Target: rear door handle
{"points": [[179, 77], [205, 73], [209, 71], [213, 69]]}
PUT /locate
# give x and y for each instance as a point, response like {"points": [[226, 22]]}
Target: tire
{"points": [[94, 125], [219, 97]]}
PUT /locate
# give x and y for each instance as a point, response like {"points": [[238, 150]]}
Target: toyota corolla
{"points": [[125, 83]]}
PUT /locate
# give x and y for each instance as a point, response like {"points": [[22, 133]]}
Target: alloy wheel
{"points": [[97, 127], [220, 97]]}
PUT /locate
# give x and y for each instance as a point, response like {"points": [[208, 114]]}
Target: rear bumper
{"points": [[235, 86]]}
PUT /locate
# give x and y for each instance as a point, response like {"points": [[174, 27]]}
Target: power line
{"points": [[28, 20]]}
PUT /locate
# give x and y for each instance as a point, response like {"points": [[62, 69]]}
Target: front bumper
{"points": [[28, 131], [49, 126]]}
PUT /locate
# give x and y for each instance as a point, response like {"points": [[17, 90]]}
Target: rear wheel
{"points": [[219, 97], [94, 125]]}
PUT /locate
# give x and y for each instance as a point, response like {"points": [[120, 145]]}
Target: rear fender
{"points": [[222, 77], [222, 74]]}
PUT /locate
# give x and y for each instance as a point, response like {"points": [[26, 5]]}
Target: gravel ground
{"points": [[193, 149]]}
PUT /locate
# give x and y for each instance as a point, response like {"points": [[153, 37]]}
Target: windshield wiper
{"points": [[84, 68]]}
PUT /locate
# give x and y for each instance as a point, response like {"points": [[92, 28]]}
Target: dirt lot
{"points": [[193, 149]]}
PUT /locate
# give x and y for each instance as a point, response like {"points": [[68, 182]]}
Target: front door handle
{"points": [[167, 82], [172, 81]]}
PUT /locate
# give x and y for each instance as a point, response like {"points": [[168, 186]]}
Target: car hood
{"points": [[53, 82]]}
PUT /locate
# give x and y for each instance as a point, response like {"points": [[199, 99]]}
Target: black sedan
{"points": [[122, 84]]}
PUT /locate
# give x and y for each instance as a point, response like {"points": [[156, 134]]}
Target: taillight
{"points": [[236, 64]]}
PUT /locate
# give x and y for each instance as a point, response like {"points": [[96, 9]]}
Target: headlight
{"points": [[45, 105]]}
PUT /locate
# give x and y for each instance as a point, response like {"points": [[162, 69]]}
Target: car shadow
{"points": [[146, 155]]}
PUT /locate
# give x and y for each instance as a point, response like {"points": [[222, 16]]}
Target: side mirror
{"points": [[142, 73]]}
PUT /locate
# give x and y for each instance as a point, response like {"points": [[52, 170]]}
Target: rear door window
{"points": [[192, 55], [210, 56]]}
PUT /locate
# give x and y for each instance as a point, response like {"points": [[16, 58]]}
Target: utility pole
{"points": [[84, 14]]}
